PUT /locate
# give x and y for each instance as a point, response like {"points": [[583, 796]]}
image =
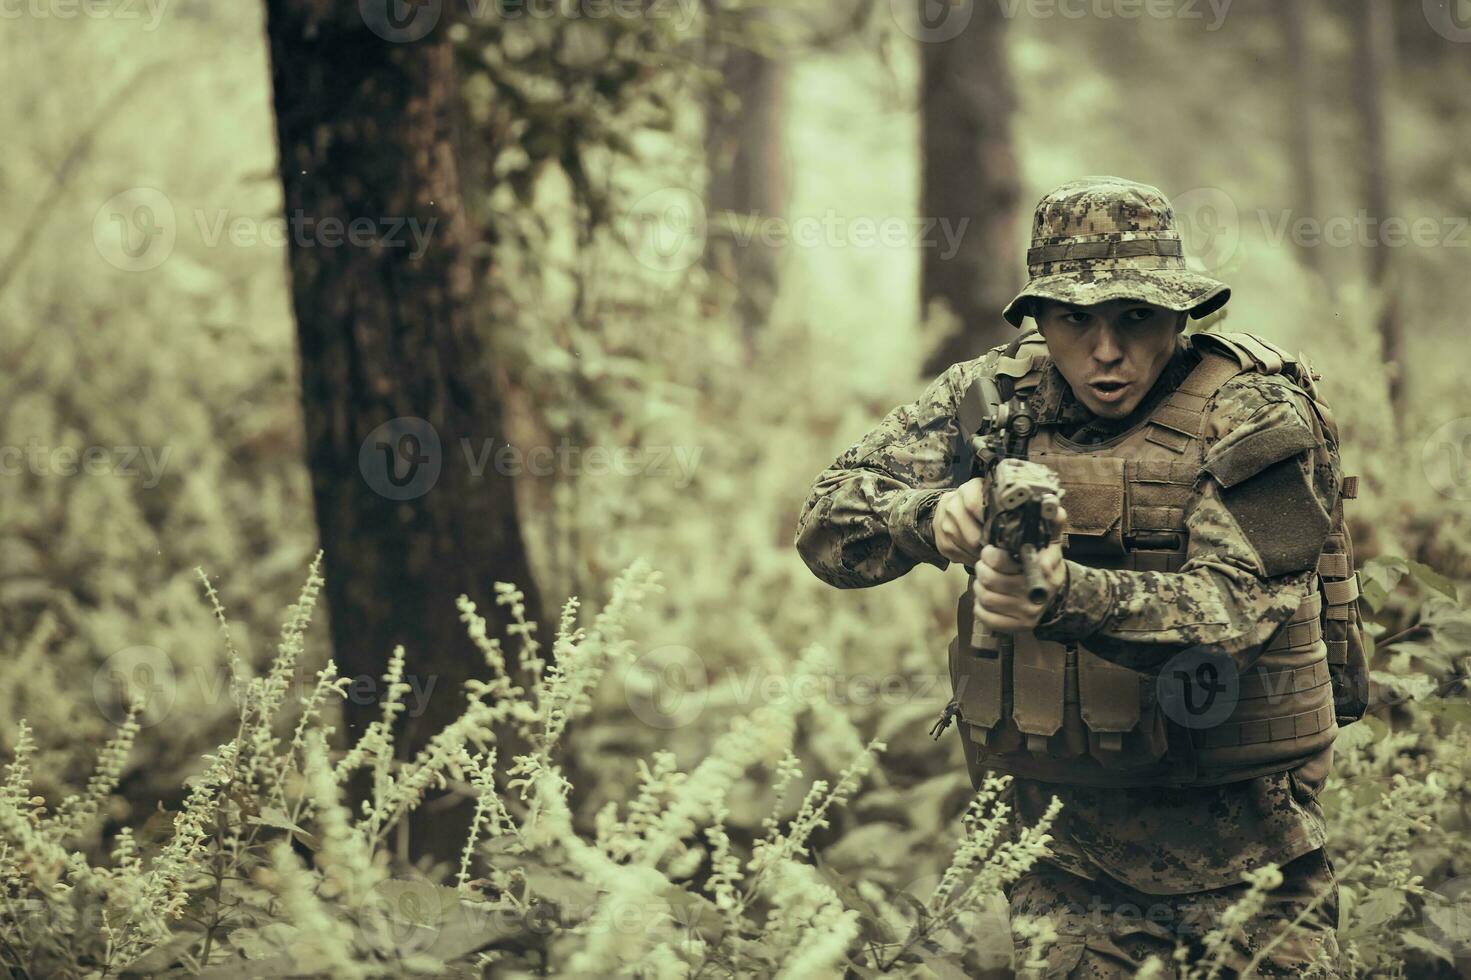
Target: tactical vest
{"points": [[1062, 713]]}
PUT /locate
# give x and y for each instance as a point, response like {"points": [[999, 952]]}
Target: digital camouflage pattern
{"points": [[1100, 238], [868, 521], [1108, 931]]}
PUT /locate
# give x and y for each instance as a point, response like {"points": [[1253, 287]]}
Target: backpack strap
{"points": [[1180, 420], [1019, 368]]}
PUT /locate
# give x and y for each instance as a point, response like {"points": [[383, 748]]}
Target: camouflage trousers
{"points": [[1108, 930]]}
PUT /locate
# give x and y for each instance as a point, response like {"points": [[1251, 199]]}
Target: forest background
{"points": [[643, 270]]}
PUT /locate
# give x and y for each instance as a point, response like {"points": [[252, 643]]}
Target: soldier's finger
{"points": [[1000, 583], [1000, 622], [973, 495], [1050, 558], [968, 532], [1007, 596], [999, 560], [952, 543]]}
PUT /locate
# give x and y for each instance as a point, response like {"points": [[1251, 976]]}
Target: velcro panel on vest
{"points": [[1249, 456], [1038, 688], [1094, 500], [1109, 698]]}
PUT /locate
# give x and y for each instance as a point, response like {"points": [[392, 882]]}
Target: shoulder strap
{"points": [[1181, 419]]}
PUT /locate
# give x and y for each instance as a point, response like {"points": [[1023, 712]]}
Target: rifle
{"points": [[1021, 496], [1021, 503]]}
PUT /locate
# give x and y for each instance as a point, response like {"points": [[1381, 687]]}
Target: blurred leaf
{"points": [[257, 944], [872, 918], [1416, 941], [1378, 578], [944, 965], [1407, 686], [1381, 905], [1430, 578], [557, 886]]}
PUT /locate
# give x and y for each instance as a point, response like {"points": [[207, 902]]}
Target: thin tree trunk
{"points": [[969, 178], [366, 131], [1373, 70], [743, 147], [1299, 119]]}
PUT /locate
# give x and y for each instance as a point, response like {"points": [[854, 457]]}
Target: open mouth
{"points": [[1109, 391]]}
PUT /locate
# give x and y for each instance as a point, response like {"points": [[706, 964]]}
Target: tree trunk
{"points": [[1298, 118], [366, 133], [969, 179], [743, 147], [1373, 36]]}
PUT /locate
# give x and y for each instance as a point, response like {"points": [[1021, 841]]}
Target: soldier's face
{"points": [[1110, 353]]}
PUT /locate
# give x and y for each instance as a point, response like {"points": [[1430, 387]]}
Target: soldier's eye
{"points": [[1140, 314]]}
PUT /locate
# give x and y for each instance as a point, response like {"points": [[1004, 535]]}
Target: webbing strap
{"points": [[1308, 610], [1270, 358], [1333, 565], [1261, 683], [1063, 251], [1341, 592], [1295, 636], [1270, 729], [1181, 419]]}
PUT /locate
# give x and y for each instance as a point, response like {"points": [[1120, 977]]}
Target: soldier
{"points": [[1173, 688]]}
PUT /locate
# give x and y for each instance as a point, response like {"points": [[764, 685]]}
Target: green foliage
{"points": [[684, 753], [266, 871]]}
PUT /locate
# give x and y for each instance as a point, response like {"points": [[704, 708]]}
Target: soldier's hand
{"points": [[1001, 588], [957, 521]]}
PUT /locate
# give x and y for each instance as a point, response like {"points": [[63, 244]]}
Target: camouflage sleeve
{"points": [[1236, 585], [868, 518]]}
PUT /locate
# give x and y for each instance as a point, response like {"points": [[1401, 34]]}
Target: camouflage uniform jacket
{"points": [[868, 520]]}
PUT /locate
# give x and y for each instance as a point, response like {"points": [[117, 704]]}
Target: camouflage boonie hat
{"points": [[1100, 238]]}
